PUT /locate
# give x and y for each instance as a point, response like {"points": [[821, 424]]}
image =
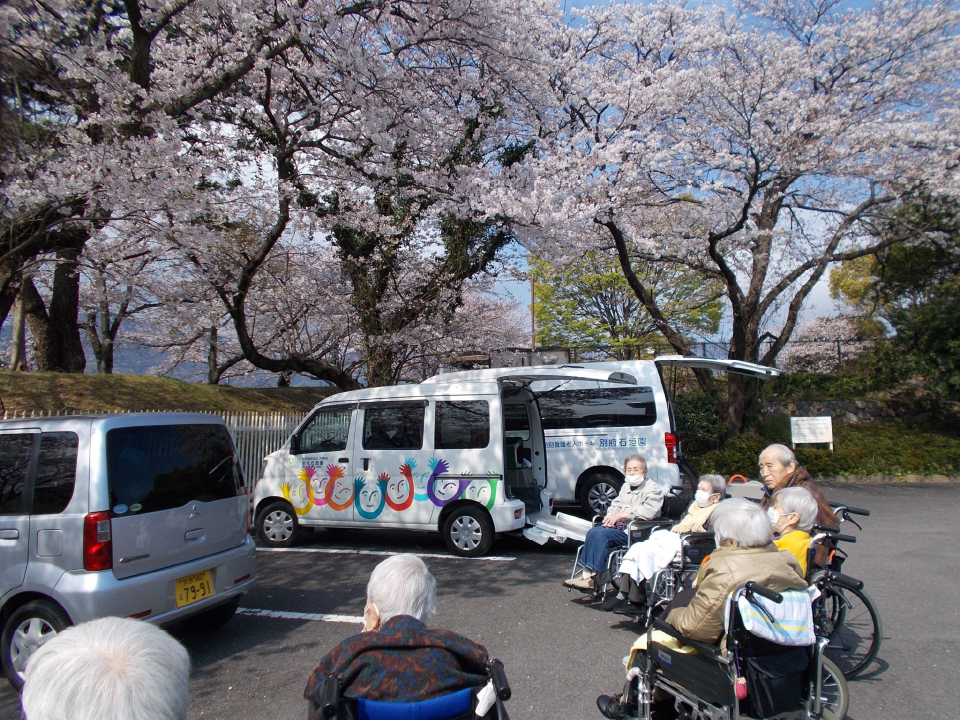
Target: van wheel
{"points": [[277, 525], [27, 628], [598, 492], [468, 532], [213, 618]]}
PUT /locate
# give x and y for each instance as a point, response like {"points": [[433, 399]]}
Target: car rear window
{"points": [[161, 467]]}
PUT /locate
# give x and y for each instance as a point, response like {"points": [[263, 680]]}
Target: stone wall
{"points": [[912, 410]]}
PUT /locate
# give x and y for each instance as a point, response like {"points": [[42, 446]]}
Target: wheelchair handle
{"points": [[758, 589], [499, 678], [853, 510], [826, 528], [843, 538], [330, 696], [844, 580]]}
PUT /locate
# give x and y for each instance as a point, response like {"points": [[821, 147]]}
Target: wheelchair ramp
{"points": [[560, 527]]}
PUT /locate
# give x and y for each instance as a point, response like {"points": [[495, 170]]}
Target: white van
{"points": [[463, 453], [590, 429], [438, 456]]}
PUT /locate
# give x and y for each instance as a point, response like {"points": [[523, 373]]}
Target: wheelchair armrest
{"points": [[710, 651], [638, 524], [598, 519], [330, 696]]}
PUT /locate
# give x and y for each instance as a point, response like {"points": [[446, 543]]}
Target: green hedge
{"points": [[861, 449]]}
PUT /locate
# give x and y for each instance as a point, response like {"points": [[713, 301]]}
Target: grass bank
{"points": [[864, 449], [58, 392]]}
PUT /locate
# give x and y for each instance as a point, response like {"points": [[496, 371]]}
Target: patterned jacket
{"points": [[825, 514], [402, 662]]}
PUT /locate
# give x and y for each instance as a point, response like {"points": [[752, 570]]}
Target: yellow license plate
{"points": [[194, 588]]}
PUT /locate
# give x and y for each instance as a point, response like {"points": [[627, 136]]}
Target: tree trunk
{"points": [[64, 308], [18, 353], [380, 365], [213, 377], [35, 312], [93, 337]]}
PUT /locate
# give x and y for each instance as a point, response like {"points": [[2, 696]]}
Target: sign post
{"points": [[811, 430]]}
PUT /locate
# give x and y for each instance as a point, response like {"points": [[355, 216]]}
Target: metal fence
{"points": [[255, 434]]}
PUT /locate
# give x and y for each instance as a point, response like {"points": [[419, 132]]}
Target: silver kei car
{"points": [[141, 515]]}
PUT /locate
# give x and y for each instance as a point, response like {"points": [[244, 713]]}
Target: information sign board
{"points": [[811, 430]]}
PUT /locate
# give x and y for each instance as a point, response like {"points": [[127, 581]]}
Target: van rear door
{"points": [[735, 366], [176, 494]]}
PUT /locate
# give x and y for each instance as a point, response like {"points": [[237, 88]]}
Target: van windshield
{"points": [[599, 407], [160, 467]]}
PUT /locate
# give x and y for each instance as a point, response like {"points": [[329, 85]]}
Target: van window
{"points": [[56, 472], [393, 427], [462, 425], [602, 407], [15, 452], [515, 418], [160, 467], [327, 431]]}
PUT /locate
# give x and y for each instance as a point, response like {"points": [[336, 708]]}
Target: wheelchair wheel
{"points": [[851, 622], [834, 696]]}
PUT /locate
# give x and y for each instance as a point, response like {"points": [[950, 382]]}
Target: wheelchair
{"points": [[636, 530], [700, 681], [460, 705]]}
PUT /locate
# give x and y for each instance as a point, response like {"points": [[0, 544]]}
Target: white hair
{"points": [[718, 486], [783, 454], [108, 669], [741, 520], [639, 458], [402, 585], [798, 500]]}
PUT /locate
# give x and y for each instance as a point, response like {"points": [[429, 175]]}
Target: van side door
{"points": [[395, 467], [320, 486], [18, 453]]}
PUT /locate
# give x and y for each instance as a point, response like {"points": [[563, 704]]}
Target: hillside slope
{"points": [[53, 392]]}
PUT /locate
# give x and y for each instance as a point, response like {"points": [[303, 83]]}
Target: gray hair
{"points": [[639, 458], [741, 520], [108, 669], [402, 585], [782, 453], [718, 486], [798, 500]]}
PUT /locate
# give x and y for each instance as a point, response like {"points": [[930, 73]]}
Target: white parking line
{"points": [[313, 617], [334, 551]]}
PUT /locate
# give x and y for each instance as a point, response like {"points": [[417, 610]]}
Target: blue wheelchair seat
{"points": [[439, 708]]}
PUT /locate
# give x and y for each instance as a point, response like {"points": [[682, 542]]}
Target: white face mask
{"points": [[702, 497], [634, 480], [774, 516]]}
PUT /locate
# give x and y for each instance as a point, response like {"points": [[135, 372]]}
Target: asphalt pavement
{"points": [[559, 653]]}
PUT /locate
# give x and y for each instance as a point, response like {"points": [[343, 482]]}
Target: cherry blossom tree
{"points": [[755, 146]]}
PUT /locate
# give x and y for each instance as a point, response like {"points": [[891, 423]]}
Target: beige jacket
{"points": [[728, 567], [642, 503], [694, 519]]}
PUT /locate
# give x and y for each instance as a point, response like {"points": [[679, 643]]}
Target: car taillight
{"points": [[670, 440], [97, 545]]}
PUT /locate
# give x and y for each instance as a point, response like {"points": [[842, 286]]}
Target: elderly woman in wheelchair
{"points": [[397, 668], [643, 560], [677, 670]]}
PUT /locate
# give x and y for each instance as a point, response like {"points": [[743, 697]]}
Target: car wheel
{"points": [[27, 628], [277, 525], [598, 492], [213, 618], [468, 532]]}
